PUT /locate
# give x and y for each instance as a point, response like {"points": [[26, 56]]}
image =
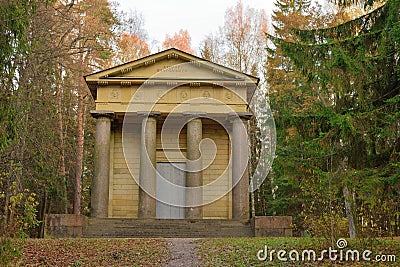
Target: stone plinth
{"points": [[272, 226], [64, 225]]}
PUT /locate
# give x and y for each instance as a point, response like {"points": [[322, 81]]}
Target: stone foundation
{"points": [[272, 226], [73, 226], [64, 225]]}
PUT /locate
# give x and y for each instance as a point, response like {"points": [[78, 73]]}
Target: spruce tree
{"points": [[352, 69]]}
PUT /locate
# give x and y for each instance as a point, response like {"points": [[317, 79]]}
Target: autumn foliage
{"points": [[132, 47], [240, 43], [180, 40]]}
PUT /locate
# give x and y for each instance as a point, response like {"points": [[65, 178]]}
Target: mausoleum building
{"points": [[171, 139]]}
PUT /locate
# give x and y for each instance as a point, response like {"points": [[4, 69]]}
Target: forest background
{"points": [[331, 78]]}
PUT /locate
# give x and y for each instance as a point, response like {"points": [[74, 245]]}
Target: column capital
{"points": [[194, 115], [153, 114], [242, 115], [102, 114]]}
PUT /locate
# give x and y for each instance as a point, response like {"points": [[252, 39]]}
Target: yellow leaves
{"points": [[19, 209], [291, 133], [15, 201], [31, 198]]}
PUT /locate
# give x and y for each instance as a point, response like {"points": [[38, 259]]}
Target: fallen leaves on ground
{"points": [[93, 252]]}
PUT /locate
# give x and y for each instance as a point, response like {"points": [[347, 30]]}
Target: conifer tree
{"points": [[353, 145], [293, 103]]}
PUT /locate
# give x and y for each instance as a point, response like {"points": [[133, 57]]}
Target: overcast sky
{"points": [[199, 17]]}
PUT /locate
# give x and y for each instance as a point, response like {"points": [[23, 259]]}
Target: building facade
{"points": [[171, 139]]}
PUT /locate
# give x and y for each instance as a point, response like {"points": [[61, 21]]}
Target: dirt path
{"points": [[183, 252]]}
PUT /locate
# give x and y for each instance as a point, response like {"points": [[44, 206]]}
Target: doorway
{"points": [[170, 198]]}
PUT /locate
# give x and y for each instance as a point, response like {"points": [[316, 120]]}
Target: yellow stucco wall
{"points": [[220, 209], [124, 191]]}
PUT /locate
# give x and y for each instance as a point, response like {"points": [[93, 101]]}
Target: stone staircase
{"points": [[167, 228]]}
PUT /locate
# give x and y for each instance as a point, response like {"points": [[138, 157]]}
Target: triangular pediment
{"points": [[169, 64]]}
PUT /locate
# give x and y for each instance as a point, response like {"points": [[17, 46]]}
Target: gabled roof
{"points": [[125, 73], [158, 57]]}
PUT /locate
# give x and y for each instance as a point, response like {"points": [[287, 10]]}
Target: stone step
{"points": [[115, 227]]}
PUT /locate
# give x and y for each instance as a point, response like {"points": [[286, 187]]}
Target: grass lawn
{"points": [[93, 252], [213, 252], [243, 251]]}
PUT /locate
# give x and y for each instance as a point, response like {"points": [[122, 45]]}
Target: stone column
{"points": [[100, 182], [240, 175], [194, 196], [147, 172]]}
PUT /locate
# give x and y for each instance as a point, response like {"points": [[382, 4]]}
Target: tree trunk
{"points": [[79, 146], [349, 212], [62, 171]]}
